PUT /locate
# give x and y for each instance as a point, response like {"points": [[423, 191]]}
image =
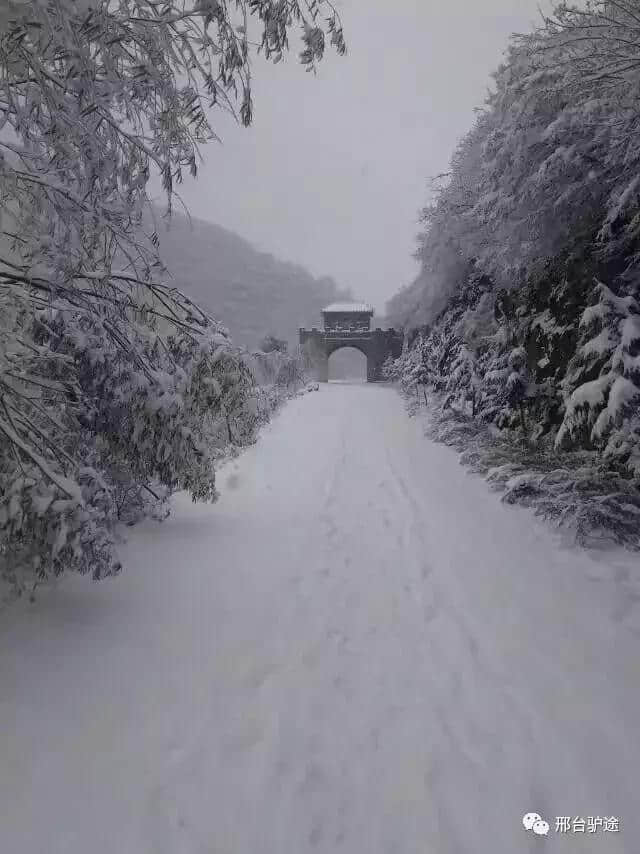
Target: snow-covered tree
{"points": [[541, 203], [550, 165], [602, 386], [270, 344], [595, 51], [463, 384], [111, 382]]}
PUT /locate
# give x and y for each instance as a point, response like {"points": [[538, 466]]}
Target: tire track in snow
{"points": [[455, 648]]}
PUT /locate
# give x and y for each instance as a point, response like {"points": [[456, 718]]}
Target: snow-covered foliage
{"points": [[270, 343], [278, 376], [602, 385], [534, 382], [127, 434], [115, 389], [551, 162], [527, 303]]}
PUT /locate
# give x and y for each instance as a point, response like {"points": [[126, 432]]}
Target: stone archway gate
{"points": [[349, 325]]}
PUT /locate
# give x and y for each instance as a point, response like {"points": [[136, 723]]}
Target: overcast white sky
{"points": [[334, 169]]}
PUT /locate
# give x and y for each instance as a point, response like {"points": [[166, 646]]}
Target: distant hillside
{"points": [[250, 292]]}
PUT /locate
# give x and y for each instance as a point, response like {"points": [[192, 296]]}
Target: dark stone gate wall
{"points": [[384, 343], [376, 345]]}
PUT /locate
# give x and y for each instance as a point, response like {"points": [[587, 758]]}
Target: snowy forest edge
{"points": [[523, 325]]}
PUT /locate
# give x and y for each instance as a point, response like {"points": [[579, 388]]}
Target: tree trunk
{"points": [[522, 421]]}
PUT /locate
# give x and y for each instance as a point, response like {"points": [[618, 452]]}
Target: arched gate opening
{"points": [[348, 365]]}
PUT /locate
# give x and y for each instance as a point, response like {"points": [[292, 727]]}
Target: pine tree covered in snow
{"points": [[602, 385]]}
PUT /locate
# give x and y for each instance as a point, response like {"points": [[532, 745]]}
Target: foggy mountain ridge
{"points": [[251, 292]]}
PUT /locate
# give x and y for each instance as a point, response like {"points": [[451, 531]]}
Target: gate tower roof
{"points": [[348, 307]]}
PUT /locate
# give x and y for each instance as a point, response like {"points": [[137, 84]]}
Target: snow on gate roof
{"points": [[343, 307]]}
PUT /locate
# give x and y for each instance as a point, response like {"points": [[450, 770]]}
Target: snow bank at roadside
{"points": [[576, 491]]}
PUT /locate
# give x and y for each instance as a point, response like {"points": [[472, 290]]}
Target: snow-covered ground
{"points": [[358, 649]]}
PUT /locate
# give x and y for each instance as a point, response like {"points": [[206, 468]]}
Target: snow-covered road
{"points": [[358, 650]]}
